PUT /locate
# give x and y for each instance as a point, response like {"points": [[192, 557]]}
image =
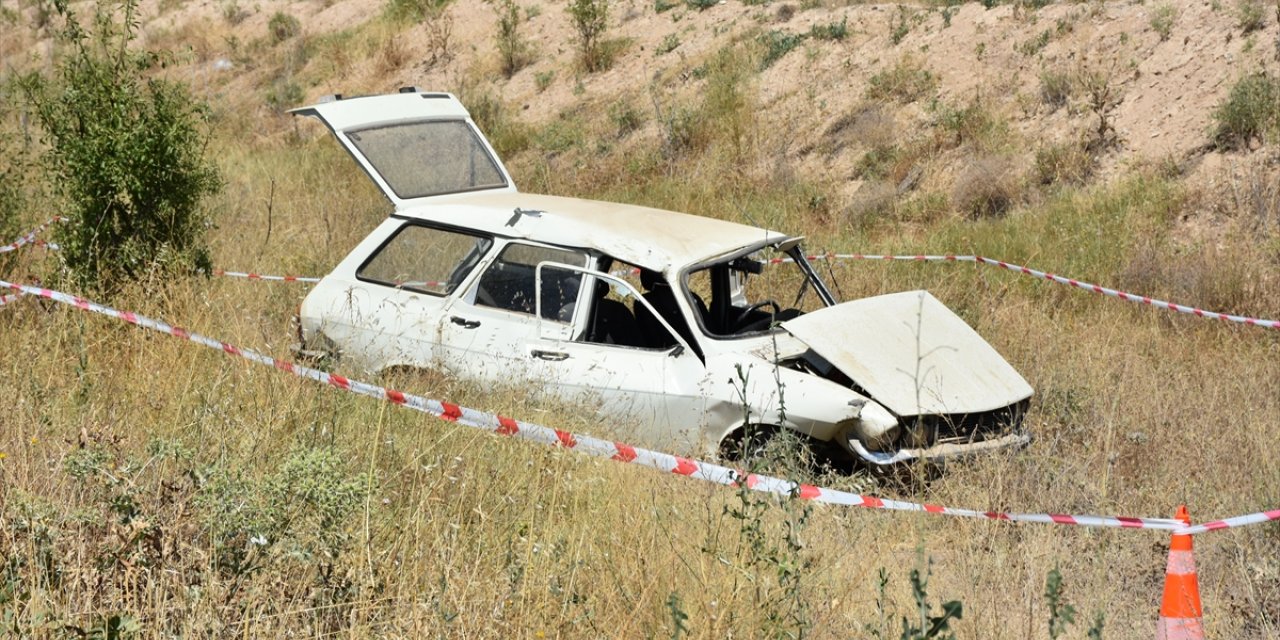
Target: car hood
{"points": [[912, 354]]}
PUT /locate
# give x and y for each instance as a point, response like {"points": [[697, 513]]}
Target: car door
{"points": [[490, 332], [653, 395], [386, 309]]}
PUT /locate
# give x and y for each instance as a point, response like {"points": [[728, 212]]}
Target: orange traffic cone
{"points": [[1180, 610]]}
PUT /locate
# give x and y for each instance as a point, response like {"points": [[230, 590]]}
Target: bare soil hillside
{"points": [[1148, 75]]}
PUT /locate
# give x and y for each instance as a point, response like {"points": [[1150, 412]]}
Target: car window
{"points": [[618, 318], [425, 259], [420, 159], [510, 282]]}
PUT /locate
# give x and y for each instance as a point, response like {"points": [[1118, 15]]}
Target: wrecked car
{"points": [[687, 329]]}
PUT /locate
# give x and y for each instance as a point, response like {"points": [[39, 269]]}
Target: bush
{"points": [[283, 26], [414, 10], [906, 82], [973, 124], [728, 111], [590, 20], [543, 79], [1250, 15], [1162, 19], [987, 187], [284, 94], [1056, 87], [126, 153], [11, 201], [1252, 111], [777, 44], [831, 31], [625, 117], [512, 49], [1065, 162]]}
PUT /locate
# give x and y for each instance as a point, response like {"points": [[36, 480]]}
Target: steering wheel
{"points": [[742, 317]]}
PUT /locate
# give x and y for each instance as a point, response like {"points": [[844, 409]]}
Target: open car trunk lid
{"points": [[414, 145], [912, 354]]}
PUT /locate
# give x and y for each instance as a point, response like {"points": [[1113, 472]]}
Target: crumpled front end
{"points": [[935, 388]]}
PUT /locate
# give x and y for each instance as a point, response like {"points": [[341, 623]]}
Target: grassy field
{"points": [[152, 488]]}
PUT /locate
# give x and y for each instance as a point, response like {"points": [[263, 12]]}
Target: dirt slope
{"points": [[1157, 93]]}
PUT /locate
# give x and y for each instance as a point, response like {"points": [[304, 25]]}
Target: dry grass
{"points": [[138, 470]]}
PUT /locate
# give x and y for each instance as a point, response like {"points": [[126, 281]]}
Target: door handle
{"points": [[554, 356], [463, 322]]}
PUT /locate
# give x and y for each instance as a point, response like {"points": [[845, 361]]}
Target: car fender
{"points": [[760, 392]]}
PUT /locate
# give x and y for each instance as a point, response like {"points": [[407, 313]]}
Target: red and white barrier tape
{"points": [[257, 276], [1231, 523], [6, 299], [1085, 286], [625, 453], [30, 237]]}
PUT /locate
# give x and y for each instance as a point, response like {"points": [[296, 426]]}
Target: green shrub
{"points": [[777, 44], [508, 136], [1035, 45], [668, 44], [1056, 87], [728, 112], [907, 81], [10, 205], [1065, 162], [512, 49], [590, 21], [303, 509], [543, 79], [126, 153], [233, 13], [662, 6], [283, 26], [831, 31], [625, 117], [14, 178], [701, 5], [900, 24], [1250, 15], [1162, 19], [1252, 111], [414, 10], [973, 124], [284, 94]]}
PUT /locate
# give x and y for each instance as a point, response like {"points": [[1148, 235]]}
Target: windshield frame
{"points": [[796, 254]]}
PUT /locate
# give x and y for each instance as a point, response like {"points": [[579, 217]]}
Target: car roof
{"points": [[655, 239]]}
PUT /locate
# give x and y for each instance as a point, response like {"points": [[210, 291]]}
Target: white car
{"points": [[687, 329]]}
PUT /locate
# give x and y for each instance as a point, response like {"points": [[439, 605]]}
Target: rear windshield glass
{"points": [[420, 159]]}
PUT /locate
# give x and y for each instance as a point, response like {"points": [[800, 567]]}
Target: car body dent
{"points": [[913, 354]]}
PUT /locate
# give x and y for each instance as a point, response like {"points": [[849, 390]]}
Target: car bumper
{"points": [[938, 451]]}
